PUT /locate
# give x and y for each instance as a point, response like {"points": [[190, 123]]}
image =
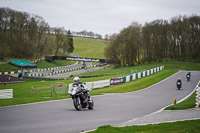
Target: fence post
{"points": [[51, 90], [32, 91]]}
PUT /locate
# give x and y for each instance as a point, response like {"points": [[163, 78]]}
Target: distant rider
{"points": [[188, 76], [82, 86], [188, 71]]}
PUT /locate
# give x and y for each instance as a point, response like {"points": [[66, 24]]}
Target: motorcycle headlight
{"points": [[73, 92]]}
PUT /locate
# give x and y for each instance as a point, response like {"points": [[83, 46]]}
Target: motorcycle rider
{"points": [[82, 86], [188, 71], [179, 83], [188, 76]]}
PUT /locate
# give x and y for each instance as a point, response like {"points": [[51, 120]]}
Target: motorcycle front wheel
{"points": [[77, 103]]}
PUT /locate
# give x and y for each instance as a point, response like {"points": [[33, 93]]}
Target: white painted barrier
{"points": [[144, 73], [127, 78], [198, 95], [148, 72], [38, 70], [89, 85], [96, 84], [134, 77], [101, 84], [151, 71], [155, 70], [6, 94], [105, 83], [139, 75], [158, 69]]}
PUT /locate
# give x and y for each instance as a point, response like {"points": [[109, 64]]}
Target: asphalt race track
{"points": [[110, 109], [46, 73], [68, 74]]}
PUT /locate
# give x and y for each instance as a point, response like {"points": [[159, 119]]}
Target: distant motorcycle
{"points": [[179, 84], [188, 77], [80, 99]]}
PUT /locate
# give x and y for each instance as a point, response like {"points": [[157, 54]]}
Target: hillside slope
{"points": [[89, 48]]}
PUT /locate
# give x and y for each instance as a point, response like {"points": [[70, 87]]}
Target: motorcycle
{"points": [[188, 77], [80, 99], [178, 84]]}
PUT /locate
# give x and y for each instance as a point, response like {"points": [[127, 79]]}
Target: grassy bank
{"points": [[190, 126], [89, 48], [186, 104]]}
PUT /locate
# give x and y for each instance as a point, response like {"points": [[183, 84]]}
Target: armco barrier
{"points": [[125, 79], [89, 85], [148, 71], [131, 77], [38, 70], [116, 81], [60, 71], [198, 95], [67, 70], [100, 84], [41, 78], [96, 84], [6, 93], [134, 76], [152, 71], [139, 75]]}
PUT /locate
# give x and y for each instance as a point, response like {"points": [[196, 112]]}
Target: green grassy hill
{"points": [[89, 48], [86, 47]]}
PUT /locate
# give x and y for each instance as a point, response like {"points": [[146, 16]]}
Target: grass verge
{"points": [[186, 104], [189, 126], [119, 72], [137, 84]]}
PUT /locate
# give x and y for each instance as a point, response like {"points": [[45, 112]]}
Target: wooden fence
{"points": [[42, 91]]}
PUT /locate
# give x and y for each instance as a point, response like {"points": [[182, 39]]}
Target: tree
{"points": [[70, 44], [23, 35], [124, 49], [178, 39]]}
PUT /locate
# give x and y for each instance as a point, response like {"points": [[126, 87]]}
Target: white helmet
{"points": [[76, 80]]}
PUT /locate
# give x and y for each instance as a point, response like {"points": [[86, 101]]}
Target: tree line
{"points": [[177, 39], [23, 35]]}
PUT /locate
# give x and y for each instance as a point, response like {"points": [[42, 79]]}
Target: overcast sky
{"points": [[103, 16]]}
